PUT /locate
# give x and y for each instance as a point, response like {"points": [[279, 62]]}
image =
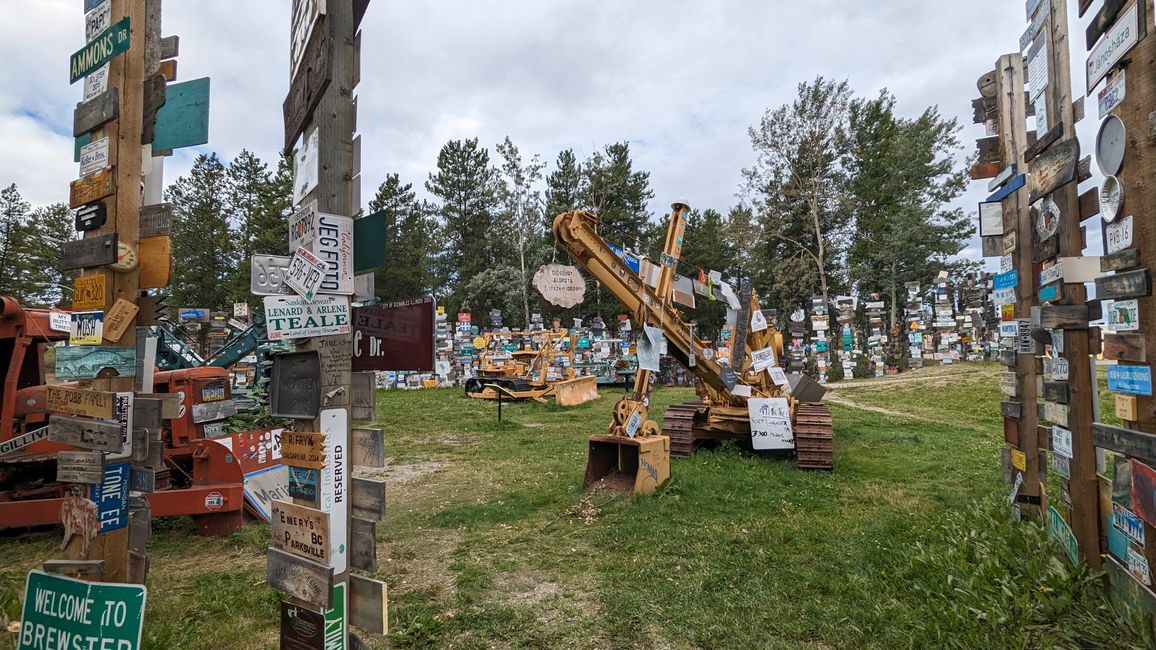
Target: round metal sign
{"points": [[1046, 217], [1111, 198], [1110, 142]]}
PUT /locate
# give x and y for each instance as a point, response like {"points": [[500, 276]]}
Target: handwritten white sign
{"points": [[770, 423], [560, 285]]}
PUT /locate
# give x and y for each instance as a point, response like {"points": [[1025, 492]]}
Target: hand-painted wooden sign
{"points": [[303, 19], [303, 449], [119, 319], [80, 467], [156, 220], [1054, 168], [76, 401], [88, 292], [295, 317], [1126, 407], [100, 50], [1135, 380], [1129, 258], [295, 385], [91, 188], [1124, 347], [1124, 441], [300, 530], [303, 579], [1143, 490], [1045, 140], [309, 81], [1119, 39], [86, 434], [305, 272], [1131, 284], [368, 499], [184, 119], [87, 328], [87, 362]]}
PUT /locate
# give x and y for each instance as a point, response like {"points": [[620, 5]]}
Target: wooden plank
{"points": [[1129, 258], [80, 467], [989, 150], [1126, 407], [1102, 21], [368, 499], [72, 567], [1125, 441], [310, 81], [1011, 409], [118, 320], [363, 401], [980, 171], [300, 530], [96, 112], [1064, 317], [86, 434], [367, 447], [168, 70], [156, 220], [1084, 169], [1089, 204], [1011, 432], [91, 188], [303, 449], [1043, 142], [77, 401], [147, 412], [154, 99], [170, 47], [1054, 413], [1124, 346], [363, 544], [1053, 168], [156, 262], [1056, 391], [1084, 6], [368, 604], [1130, 284], [305, 580]]}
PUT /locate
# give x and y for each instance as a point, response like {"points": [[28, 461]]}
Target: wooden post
{"points": [[1082, 486]]}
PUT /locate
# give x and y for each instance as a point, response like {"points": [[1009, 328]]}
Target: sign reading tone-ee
{"points": [[88, 614], [561, 285], [300, 530]]}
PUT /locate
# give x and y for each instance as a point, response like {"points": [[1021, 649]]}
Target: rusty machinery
{"points": [[523, 373], [634, 445]]}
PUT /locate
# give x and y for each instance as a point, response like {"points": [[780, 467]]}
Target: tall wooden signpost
{"points": [[328, 529]]}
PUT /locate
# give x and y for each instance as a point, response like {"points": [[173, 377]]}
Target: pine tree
{"points": [[204, 253], [562, 186], [48, 227], [408, 236], [466, 189], [248, 215], [13, 242]]}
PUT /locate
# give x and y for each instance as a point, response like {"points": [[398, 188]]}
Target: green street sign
{"points": [[1063, 534], [100, 50], [369, 242], [63, 612]]}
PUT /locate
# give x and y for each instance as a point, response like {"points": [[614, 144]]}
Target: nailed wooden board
{"points": [[119, 319], [96, 112], [303, 449], [86, 434], [299, 530], [310, 81], [1122, 260], [80, 467], [1124, 346], [1052, 412], [302, 579], [88, 252], [367, 447], [1053, 169], [156, 220], [1056, 391], [91, 188], [170, 47], [1043, 142], [1126, 407], [1125, 441], [76, 401], [1130, 284], [1064, 317], [368, 604], [1011, 432], [989, 150], [368, 499], [1008, 357], [363, 544], [147, 412], [156, 262], [980, 171], [363, 402], [1089, 204], [1102, 21], [154, 99]]}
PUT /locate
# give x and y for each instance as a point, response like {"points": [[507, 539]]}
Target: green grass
{"points": [[905, 545]]}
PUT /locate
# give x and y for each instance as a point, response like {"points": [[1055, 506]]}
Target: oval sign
{"points": [[1110, 143], [1111, 198]]}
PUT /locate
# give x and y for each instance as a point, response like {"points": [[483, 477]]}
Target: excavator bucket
{"points": [[572, 392], [622, 464]]}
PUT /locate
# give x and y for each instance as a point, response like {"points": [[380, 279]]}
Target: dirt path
{"points": [[843, 400]]}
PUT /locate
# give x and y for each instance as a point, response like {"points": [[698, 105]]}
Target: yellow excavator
{"points": [[635, 447]]}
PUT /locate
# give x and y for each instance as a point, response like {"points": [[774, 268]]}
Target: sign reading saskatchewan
{"points": [[99, 51], [62, 613]]}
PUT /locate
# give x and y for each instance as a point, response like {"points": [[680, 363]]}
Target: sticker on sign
{"points": [[305, 273]]}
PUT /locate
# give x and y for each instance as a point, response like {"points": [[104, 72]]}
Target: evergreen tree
{"points": [[48, 227], [249, 216], [562, 186], [704, 247], [204, 253], [13, 243], [902, 173], [466, 189], [795, 192], [409, 233], [520, 218]]}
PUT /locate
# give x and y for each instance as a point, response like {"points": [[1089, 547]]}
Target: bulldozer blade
{"points": [[579, 390], [620, 464]]}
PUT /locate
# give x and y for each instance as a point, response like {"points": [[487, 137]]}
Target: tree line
{"points": [[845, 195]]}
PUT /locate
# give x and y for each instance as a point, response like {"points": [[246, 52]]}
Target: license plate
{"points": [[268, 275]]}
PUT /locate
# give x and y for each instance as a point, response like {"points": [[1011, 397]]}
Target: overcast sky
{"points": [[681, 81]]}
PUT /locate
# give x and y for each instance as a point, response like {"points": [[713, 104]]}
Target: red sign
{"points": [[1143, 491], [394, 336], [463, 316], [214, 501]]}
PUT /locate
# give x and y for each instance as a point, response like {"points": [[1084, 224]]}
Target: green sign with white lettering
{"points": [[1063, 534], [99, 51], [63, 613]]}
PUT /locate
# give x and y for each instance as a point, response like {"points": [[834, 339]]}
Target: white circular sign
{"points": [[1111, 198], [560, 285], [1110, 143]]}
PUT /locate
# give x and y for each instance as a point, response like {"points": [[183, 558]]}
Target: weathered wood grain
{"points": [[1064, 317], [363, 544], [368, 604], [86, 434], [1129, 258], [302, 579], [367, 447], [1130, 284], [1124, 346], [96, 112], [367, 499], [1125, 441], [78, 401]]}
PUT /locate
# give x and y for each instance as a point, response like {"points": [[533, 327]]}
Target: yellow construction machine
{"points": [[635, 451], [524, 371]]}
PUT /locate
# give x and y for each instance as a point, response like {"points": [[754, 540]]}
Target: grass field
{"points": [[491, 542]]}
